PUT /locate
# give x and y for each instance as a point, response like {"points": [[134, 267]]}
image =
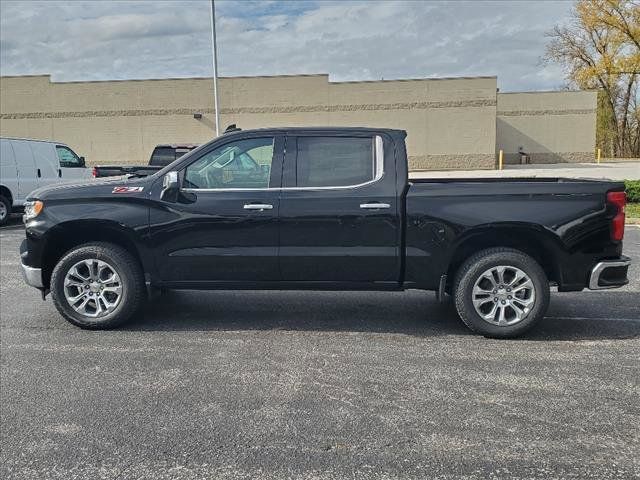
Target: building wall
{"points": [[551, 127], [450, 122]]}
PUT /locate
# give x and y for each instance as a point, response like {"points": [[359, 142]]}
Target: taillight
{"points": [[94, 172], [619, 200]]}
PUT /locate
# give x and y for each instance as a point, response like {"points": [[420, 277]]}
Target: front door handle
{"points": [[258, 206], [374, 206]]}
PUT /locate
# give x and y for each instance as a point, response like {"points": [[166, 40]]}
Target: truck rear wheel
{"points": [[97, 286], [501, 292]]}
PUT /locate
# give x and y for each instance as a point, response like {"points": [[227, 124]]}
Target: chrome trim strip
{"points": [[379, 169], [379, 166], [258, 206], [210, 190], [600, 267], [32, 276], [374, 206]]}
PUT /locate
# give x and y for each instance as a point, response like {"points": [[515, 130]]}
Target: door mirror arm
{"points": [[170, 187], [171, 191], [186, 197]]}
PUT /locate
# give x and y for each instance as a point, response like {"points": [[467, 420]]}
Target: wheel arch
{"points": [[6, 193], [534, 240], [67, 235]]}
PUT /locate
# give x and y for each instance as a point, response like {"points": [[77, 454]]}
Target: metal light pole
{"points": [[215, 66]]}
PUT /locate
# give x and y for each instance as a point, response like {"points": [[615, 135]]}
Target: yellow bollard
{"points": [[599, 152], [500, 158]]}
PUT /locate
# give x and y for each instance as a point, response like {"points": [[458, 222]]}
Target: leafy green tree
{"points": [[600, 49]]}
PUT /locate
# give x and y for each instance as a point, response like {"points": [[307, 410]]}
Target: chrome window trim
{"points": [[194, 190], [378, 165]]}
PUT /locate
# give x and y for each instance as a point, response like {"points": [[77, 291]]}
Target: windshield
{"points": [[184, 157]]}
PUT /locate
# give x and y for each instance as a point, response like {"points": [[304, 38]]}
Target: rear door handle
{"points": [[60, 172], [374, 206], [39, 173], [258, 206]]}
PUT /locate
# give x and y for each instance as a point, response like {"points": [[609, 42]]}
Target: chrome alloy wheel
{"points": [[3, 211], [93, 288], [503, 295]]}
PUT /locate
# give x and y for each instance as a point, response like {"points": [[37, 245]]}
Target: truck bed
{"points": [[101, 171], [569, 214]]}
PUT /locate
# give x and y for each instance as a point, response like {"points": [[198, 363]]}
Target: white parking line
{"points": [[602, 319]]}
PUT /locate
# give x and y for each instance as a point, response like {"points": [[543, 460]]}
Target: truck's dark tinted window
{"points": [[334, 161], [162, 156], [241, 164]]}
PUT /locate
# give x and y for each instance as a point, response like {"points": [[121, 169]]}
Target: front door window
{"points": [[242, 164], [68, 159]]}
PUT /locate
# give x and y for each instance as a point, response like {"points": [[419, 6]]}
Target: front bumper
{"points": [[32, 276], [609, 274]]}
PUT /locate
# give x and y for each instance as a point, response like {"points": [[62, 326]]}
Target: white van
{"points": [[28, 164]]}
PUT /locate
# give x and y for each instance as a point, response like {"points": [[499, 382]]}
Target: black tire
{"points": [[126, 266], [7, 208], [479, 263]]}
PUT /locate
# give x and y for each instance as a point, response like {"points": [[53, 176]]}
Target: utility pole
{"points": [[215, 66]]}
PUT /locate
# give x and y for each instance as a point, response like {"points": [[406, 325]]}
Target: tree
{"points": [[600, 49]]}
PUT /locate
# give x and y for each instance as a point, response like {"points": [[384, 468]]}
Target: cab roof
{"points": [[317, 130]]}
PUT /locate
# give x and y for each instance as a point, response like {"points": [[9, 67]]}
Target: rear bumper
{"points": [[609, 274]]}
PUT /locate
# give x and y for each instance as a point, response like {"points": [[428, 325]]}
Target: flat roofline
{"points": [[165, 79], [301, 75], [26, 76], [420, 79], [591, 90]]}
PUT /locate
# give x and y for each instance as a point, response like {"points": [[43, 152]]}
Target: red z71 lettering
{"points": [[127, 189]]}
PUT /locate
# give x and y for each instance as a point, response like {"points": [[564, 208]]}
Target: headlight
{"points": [[32, 210]]}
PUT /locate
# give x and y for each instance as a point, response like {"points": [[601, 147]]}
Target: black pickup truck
{"points": [[324, 209]]}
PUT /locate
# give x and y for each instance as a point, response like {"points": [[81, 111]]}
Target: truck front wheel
{"points": [[97, 286], [5, 210], [501, 292]]}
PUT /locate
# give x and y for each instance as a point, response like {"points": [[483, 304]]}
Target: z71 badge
{"points": [[127, 189]]}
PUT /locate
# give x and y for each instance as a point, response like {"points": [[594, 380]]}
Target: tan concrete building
{"points": [[451, 123], [550, 127]]}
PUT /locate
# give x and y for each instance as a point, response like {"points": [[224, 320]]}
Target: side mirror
{"points": [[170, 187], [82, 162]]}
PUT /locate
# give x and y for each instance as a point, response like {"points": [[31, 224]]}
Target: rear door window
{"points": [[163, 156], [181, 151], [334, 161]]}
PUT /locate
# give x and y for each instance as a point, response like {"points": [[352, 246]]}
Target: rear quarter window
{"points": [[162, 156]]}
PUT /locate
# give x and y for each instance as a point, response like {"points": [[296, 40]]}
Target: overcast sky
{"points": [[96, 40]]}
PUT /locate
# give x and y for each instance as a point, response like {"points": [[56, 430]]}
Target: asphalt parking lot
{"points": [[318, 385]]}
